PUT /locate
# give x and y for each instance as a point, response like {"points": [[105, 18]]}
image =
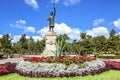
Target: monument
{"points": [[50, 36]]}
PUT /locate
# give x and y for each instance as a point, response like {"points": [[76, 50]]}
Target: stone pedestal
{"points": [[50, 44]]}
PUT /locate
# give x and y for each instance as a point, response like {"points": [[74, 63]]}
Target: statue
{"points": [[51, 19]]}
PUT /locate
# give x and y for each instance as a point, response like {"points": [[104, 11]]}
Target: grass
{"points": [[108, 75]]}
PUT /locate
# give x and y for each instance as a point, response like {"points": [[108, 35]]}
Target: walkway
{"points": [[12, 60]]}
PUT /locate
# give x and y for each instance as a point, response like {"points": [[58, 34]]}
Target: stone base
{"points": [[50, 44], [48, 53]]}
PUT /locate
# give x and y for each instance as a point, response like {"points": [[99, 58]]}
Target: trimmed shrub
{"points": [[117, 53], [110, 57]]}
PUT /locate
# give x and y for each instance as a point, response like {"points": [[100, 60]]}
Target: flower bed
{"points": [[113, 65], [58, 67], [65, 59], [33, 69], [7, 68]]}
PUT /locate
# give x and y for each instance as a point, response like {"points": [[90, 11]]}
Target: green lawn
{"points": [[109, 75]]}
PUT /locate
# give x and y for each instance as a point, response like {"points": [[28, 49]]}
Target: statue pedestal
{"points": [[50, 44]]}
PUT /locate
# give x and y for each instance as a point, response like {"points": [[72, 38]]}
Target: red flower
{"points": [[61, 60], [25, 59]]}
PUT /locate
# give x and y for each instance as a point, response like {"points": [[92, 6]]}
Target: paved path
{"points": [[12, 60]]}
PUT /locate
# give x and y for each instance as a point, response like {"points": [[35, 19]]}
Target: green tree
{"points": [[1, 46], [31, 45], [83, 35], [113, 41], [6, 44], [17, 47], [112, 33], [64, 38], [62, 44], [39, 46], [24, 43], [100, 43]]}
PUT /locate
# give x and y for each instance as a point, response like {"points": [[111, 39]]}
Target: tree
{"points": [[6, 44], [24, 43], [112, 33], [39, 46], [113, 42], [64, 38], [83, 35], [0, 46], [100, 43], [61, 44], [17, 48], [75, 47], [31, 45]]}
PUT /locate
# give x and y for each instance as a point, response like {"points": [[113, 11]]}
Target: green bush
{"points": [[8, 63], [1, 55], [117, 53], [109, 57], [96, 54]]}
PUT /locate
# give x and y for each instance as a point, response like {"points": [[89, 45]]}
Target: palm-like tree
{"points": [[112, 33], [83, 35]]}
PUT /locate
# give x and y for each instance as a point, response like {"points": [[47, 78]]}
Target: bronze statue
{"points": [[51, 19]]}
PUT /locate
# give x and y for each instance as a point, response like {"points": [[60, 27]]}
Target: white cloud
{"points": [[21, 24], [75, 34], [54, 1], [30, 29], [71, 2], [43, 31], [62, 28], [16, 38], [36, 38], [32, 3], [119, 33], [1, 35], [97, 22], [116, 23], [98, 31]]}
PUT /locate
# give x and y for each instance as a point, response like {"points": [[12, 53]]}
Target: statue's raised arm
{"points": [[54, 10]]}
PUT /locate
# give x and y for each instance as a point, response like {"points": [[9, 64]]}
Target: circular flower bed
{"points": [[59, 67]]}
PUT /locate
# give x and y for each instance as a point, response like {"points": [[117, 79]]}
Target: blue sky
{"points": [[95, 17]]}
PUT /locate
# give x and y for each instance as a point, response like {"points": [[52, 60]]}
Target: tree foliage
{"points": [[86, 44]]}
